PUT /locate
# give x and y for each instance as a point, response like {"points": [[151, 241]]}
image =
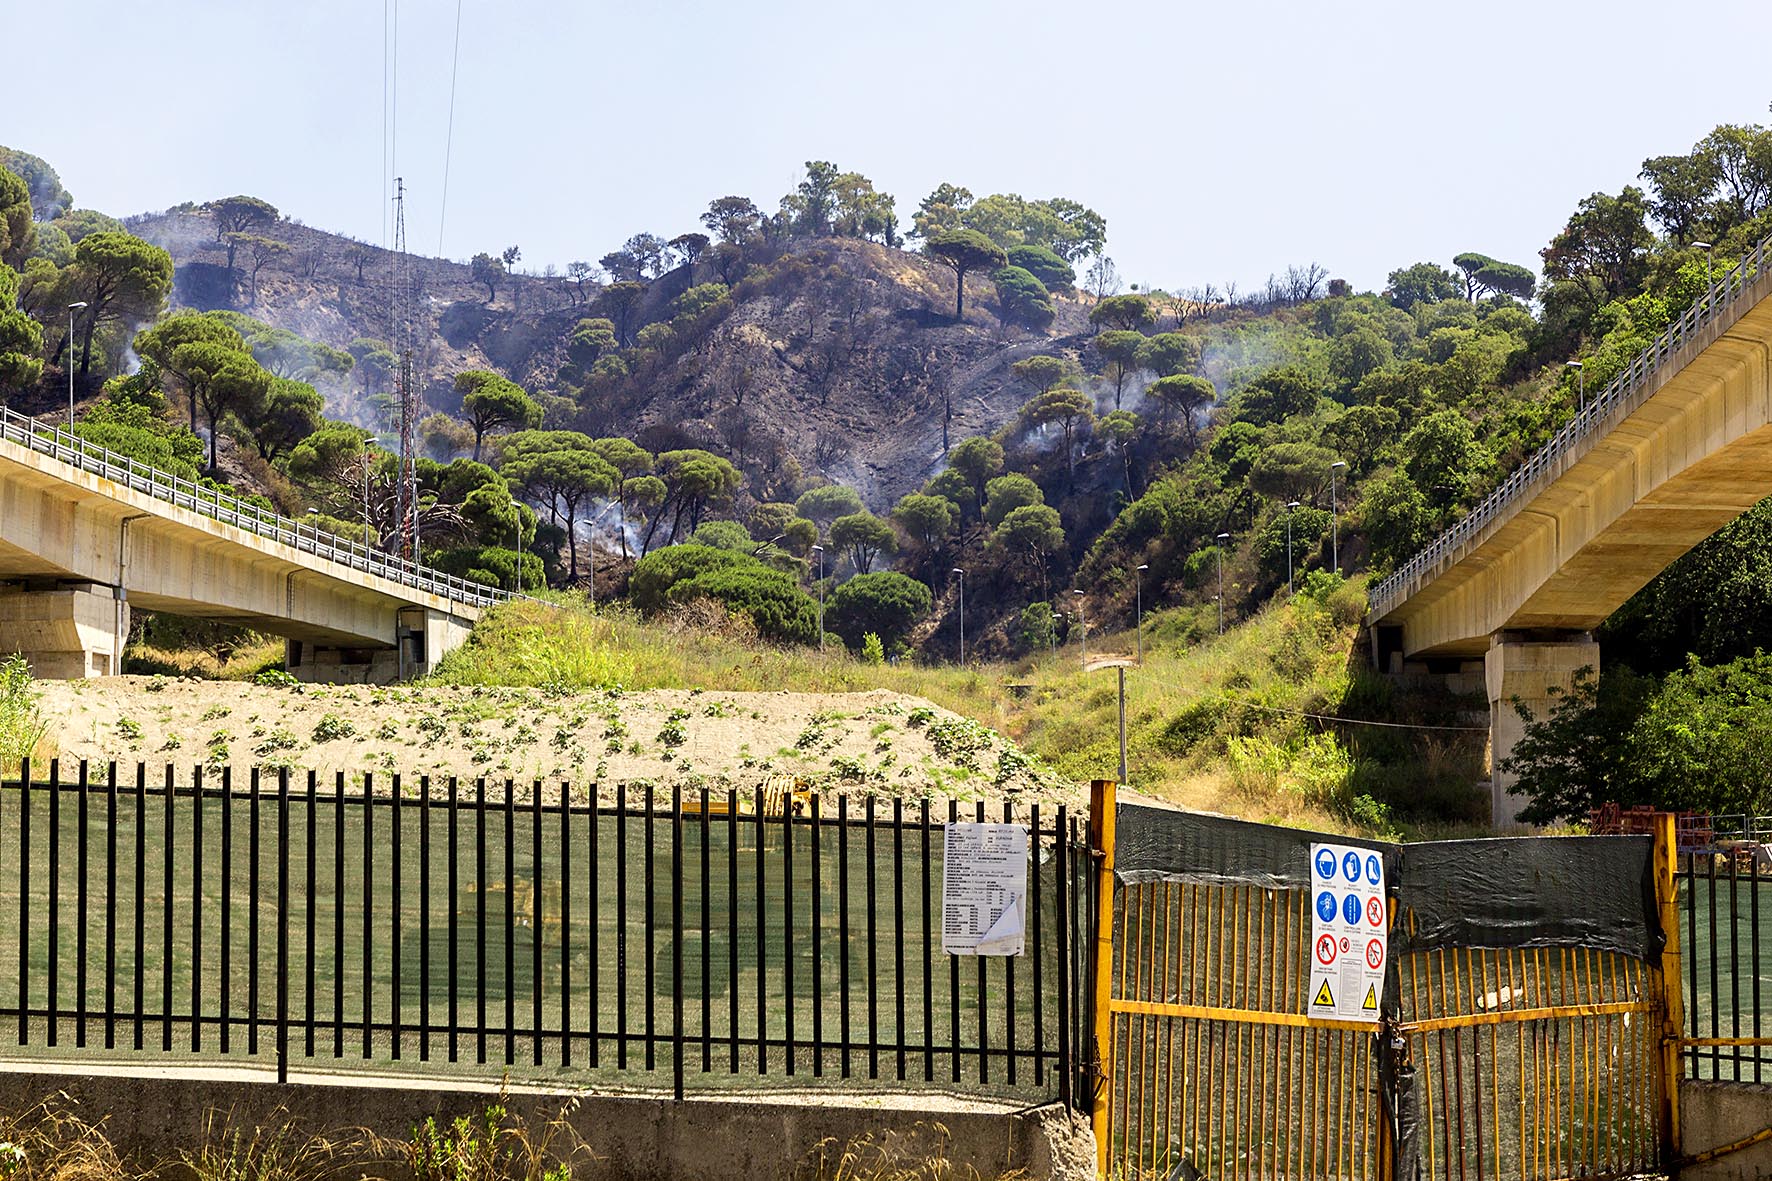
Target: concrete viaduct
{"points": [[1678, 446], [86, 535]]}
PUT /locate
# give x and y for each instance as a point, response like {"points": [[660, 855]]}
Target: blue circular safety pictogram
{"points": [[1374, 870], [1326, 865], [1350, 865], [1326, 906], [1352, 908]]}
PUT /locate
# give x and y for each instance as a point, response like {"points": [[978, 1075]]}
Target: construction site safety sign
{"points": [[1349, 926]]}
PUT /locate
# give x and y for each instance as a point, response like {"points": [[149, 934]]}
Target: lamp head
{"points": [[72, 306]]}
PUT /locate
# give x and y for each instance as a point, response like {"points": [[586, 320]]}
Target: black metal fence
{"points": [[1726, 905], [493, 928]]}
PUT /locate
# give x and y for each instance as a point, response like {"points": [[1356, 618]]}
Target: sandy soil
{"points": [[854, 742]]}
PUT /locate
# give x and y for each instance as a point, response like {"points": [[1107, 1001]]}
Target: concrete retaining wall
{"points": [[153, 1117], [1714, 1114]]}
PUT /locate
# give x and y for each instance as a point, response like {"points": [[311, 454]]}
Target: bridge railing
{"points": [[1627, 390], [65, 447]]}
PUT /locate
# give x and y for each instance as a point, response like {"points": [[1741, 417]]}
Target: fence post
{"points": [[1102, 793], [1672, 1010], [282, 923]]}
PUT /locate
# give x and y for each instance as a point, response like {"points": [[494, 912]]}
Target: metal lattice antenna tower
{"points": [[406, 490]]}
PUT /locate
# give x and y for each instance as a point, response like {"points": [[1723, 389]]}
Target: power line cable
{"points": [[449, 136]]}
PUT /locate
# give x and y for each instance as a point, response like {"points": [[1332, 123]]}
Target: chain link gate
{"points": [[1524, 1028]]}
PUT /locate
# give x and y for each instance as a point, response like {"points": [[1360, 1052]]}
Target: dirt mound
{"points": [[854, 742]]}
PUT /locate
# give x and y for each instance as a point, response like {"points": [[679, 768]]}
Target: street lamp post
{"points": [[1138, 619], [1705, 246], [72, 308], [1290, 505], [962, 575], [1335, 517], [1052, 636], [1221, 539], [1580, 384], [1083, 622], [820, 550]]}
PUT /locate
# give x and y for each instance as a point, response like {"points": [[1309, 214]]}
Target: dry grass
{"points": [[51, 1142], [921, 1154], [276, 1149]]}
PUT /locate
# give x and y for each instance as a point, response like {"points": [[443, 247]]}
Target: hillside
{"points": [[841, 362]]}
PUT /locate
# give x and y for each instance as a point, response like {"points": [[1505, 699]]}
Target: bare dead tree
{"points": [[1304, 283]]}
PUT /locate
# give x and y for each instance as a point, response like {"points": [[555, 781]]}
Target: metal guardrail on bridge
{"points": [[1629, 389], [60, 445]]}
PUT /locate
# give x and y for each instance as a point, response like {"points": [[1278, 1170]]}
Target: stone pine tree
{"points": [[239, 215], [489, 270], [965, 251], [121, 278], [488, 400], [222, 382], [1072, 410]]}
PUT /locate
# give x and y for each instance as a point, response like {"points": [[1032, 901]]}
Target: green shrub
{"points": [[772, 601], [22, 725], [888, 604], [655, 574]]}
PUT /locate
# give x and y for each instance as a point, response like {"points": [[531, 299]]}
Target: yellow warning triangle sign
{"points": [[1370, 1004], [1323, 997]]}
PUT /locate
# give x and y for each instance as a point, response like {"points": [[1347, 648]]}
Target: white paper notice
{"points": [[984, 889], [1349, 933]]}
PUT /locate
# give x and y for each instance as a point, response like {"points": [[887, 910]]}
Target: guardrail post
{"points": [[1673, 1018], [1102, 803]]}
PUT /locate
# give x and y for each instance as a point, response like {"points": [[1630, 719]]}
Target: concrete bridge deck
{"points": [[87, 534], [1679, 445]]}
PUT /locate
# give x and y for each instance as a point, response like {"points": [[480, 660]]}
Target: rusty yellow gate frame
{"points": [[1527, 1063]]}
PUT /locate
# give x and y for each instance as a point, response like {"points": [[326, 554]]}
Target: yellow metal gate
{"points": [[1213, 1061], [1529, 1063]]}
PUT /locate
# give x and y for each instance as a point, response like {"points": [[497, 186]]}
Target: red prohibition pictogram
{"points": [[1345, 945], [1326, 950], [1375, 954], [1375, 911]]}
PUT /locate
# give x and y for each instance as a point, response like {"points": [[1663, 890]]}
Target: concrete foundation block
{"points": [[154, 1116], [65, 634], [1713, 1114]]}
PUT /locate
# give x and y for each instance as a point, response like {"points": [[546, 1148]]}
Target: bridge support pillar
{"points": [[421, 638], [1524, 669], [66, 633]]}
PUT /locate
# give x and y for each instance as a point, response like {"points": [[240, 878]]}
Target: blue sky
{"points": [[1220, 141]]}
